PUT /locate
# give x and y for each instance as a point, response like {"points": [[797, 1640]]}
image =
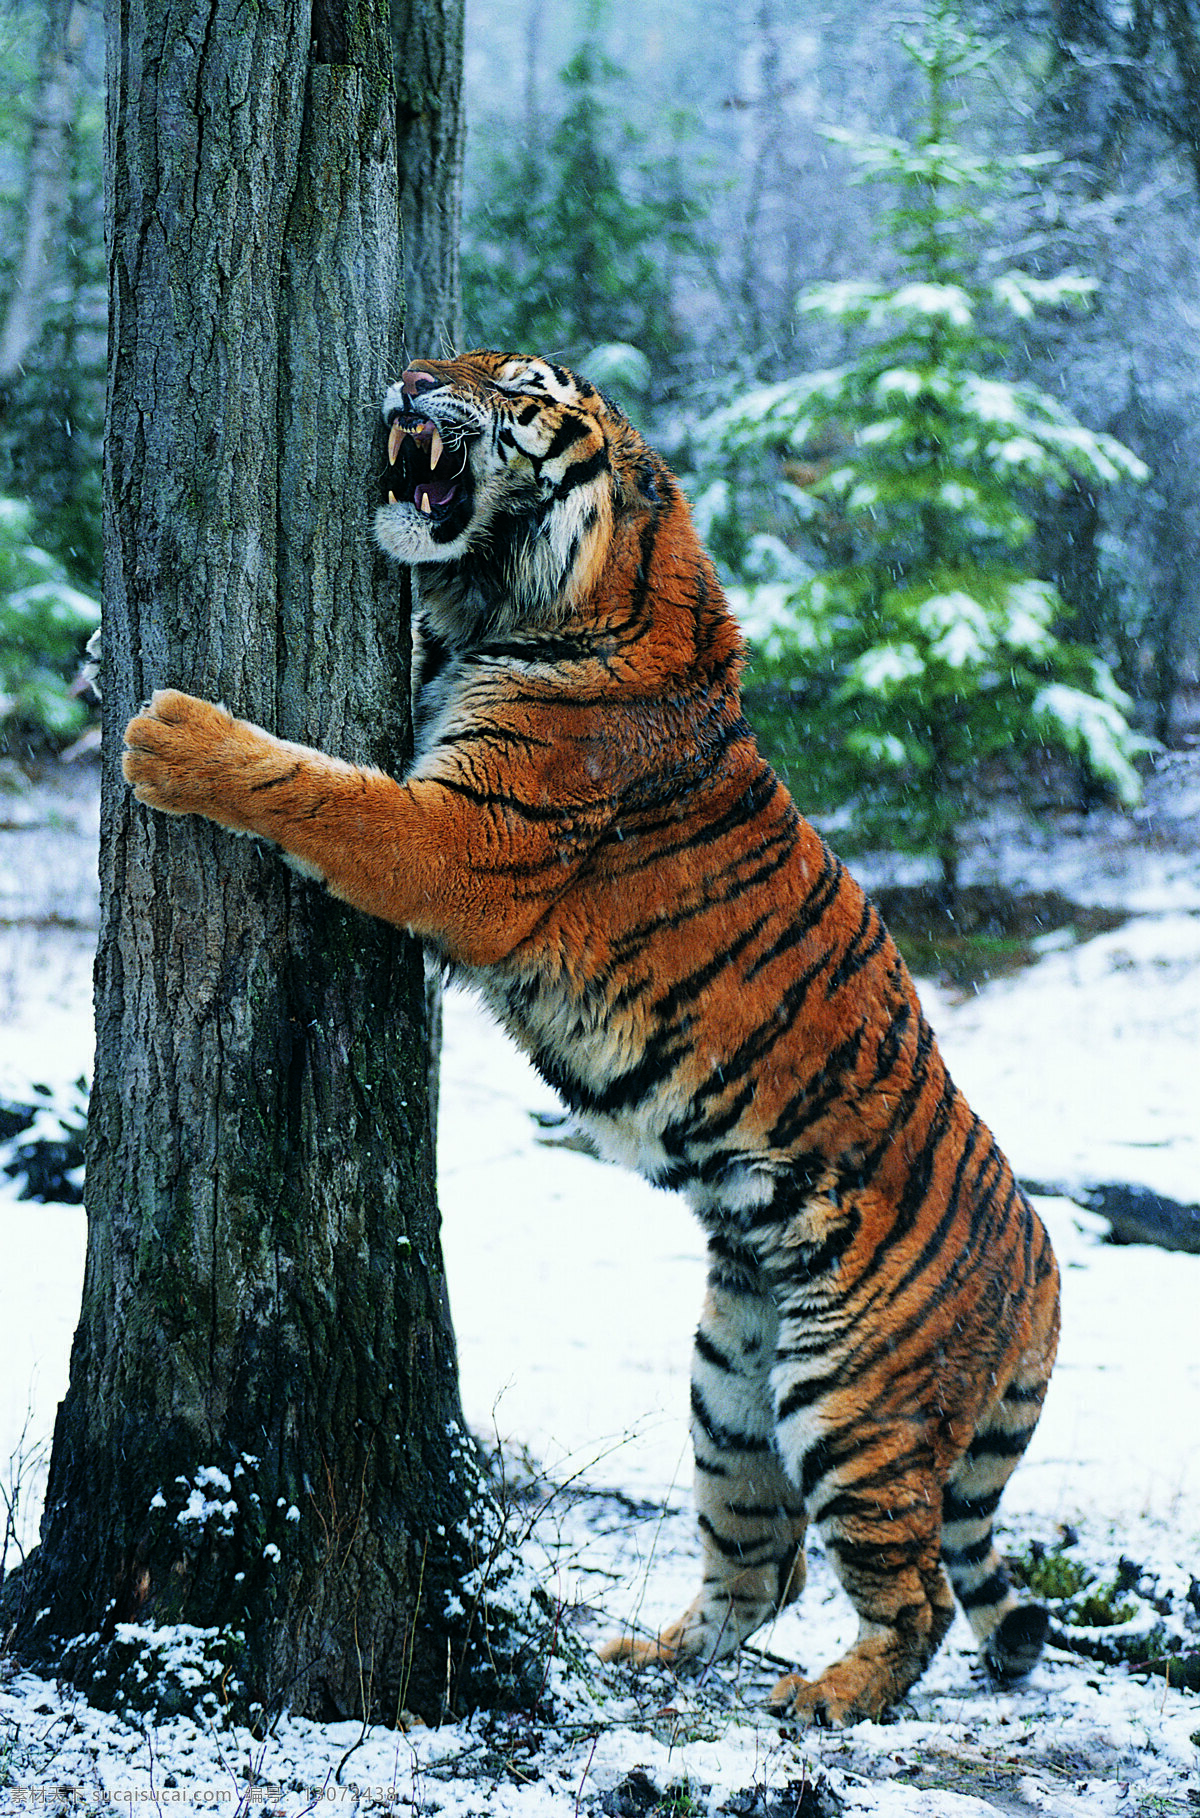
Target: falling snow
{"points": [[575, 1288]]}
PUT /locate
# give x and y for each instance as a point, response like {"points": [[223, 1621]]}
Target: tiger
{"points": [[589, 836]]}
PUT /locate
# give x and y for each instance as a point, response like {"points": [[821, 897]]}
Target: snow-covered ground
{"points": [[575, 1289]]}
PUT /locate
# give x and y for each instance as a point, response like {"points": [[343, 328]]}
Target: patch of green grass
{"points": [[1051, 1574], [1090, 1609], [678, 1801], [970, 960], [1101, 1609], [988, 933], [1080, 1597]]}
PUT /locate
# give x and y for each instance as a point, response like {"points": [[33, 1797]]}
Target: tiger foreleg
{"points": [[751, 1518], [405, 852]]}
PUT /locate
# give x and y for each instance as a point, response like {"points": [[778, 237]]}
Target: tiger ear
{"points": [[640, 486], [648, 485]]}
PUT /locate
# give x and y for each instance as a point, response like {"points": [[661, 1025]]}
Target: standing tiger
{"points": [[590, 837]]}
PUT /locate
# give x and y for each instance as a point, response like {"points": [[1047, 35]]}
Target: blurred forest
{"points": [[53, 303], [678, 180], [663, 194]]}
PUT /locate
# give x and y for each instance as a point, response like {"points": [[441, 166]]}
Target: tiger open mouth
{"points": [[426, 468]]}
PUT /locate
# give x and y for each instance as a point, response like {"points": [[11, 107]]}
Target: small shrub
{"points": [[1052, 1575], [44, 625]]}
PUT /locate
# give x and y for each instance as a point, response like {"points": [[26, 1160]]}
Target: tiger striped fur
{"points": [[589, 835]]}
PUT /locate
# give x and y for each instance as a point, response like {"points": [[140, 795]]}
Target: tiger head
{"points": [[507, 479]]}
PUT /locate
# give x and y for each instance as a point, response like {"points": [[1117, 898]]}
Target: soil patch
{"points": [[989, 931]]}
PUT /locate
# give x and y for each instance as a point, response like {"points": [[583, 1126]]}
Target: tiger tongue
{"points": [[430, 497]]}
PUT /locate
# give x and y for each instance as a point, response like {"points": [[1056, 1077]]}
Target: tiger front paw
{"points": [[700, 1635], [628, 1650], [180, 752]]}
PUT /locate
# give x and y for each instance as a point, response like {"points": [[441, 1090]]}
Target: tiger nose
{"points": [[412, 381]]}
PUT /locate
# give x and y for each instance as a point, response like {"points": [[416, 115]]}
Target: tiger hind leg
{"points": [[885, 1549], [1011, 1634], [885, 1553], [751, 1518]]}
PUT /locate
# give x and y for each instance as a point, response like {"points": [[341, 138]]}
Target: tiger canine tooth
{"points": [[392, 499], [394, 441], [426, 507], [435, 448]]}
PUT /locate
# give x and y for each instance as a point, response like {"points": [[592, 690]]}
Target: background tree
{"points": [[1103, 87], [45, 186], [737, 204], [599, 268], [427, 59], [1119, 102], [928, 654], [261, 1490], [52, 281]]}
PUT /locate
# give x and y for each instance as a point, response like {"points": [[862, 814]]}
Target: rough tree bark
{"points": [[262, 1436], [427, 58]]}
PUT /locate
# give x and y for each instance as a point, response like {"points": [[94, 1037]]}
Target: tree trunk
{"points": [[427, 58], [768, 135], [948, 868], [427, 49], [262, 1435], [1081, 108], [1184, 33], [1070, 541], [45, 188]]}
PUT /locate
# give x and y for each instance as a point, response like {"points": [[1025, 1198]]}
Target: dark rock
{"points": [[1136, 1215], [633, 1797], [799, 1799]]}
